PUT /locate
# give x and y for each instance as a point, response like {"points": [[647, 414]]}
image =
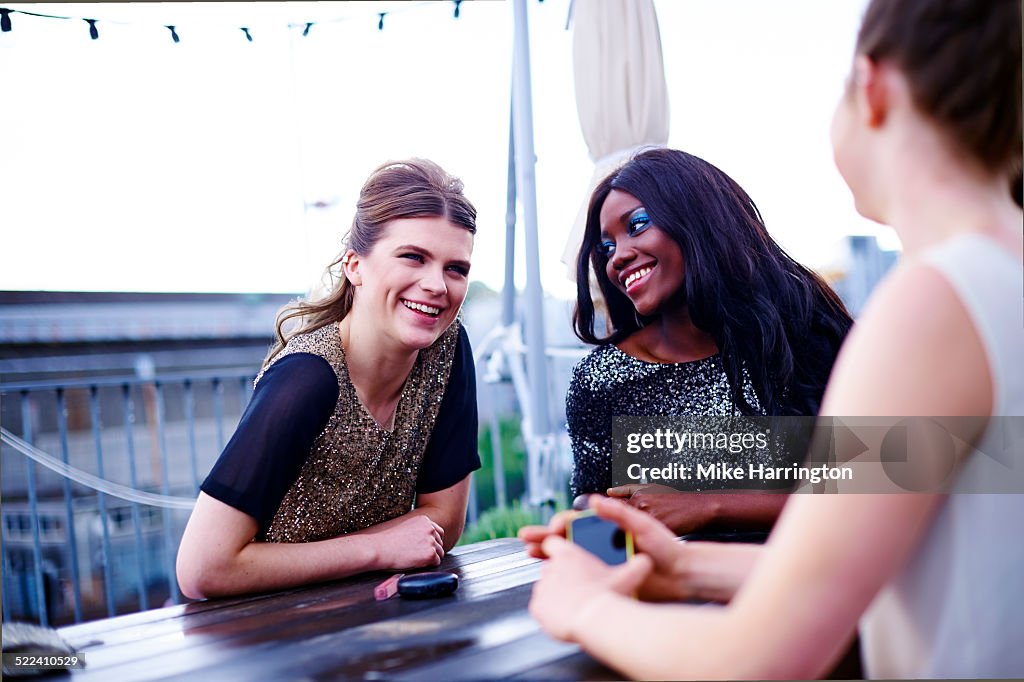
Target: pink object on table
{"points": [[388, 588]]}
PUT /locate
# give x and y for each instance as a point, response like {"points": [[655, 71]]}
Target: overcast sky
{"points": [[131, 163]]}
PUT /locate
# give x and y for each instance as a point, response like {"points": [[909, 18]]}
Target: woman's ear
{"points": [[350, 266], [871, 88]]}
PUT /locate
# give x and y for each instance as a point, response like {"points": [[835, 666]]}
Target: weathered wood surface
{"points": [[338, 631]]}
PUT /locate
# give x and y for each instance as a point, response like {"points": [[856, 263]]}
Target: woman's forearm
{"points": [[218, 557], [661, 642], [262, 566], [753, 511], [714, 571], [687, 512], [709, 641], [266, 566], [408, 541]]}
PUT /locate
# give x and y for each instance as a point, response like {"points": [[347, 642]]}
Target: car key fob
{"points": [[427, 585]]}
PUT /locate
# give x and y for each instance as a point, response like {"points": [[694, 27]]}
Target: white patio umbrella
{"points": [[621, 95]]}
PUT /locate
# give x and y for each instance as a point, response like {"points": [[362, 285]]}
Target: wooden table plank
{"points": [[493, 663], [379, 649], [577, 666]]}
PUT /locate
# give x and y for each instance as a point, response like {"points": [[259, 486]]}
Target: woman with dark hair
{"points": [[707, 315], [928, 137], [365, 407]]}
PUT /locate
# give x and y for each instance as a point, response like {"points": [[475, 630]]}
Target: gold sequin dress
{"points": [[359, 474]]}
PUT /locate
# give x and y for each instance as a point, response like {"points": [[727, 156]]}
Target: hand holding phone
{"points": [[600, 537]]}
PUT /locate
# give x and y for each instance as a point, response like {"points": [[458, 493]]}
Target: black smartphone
{"points": [[600, 537]]}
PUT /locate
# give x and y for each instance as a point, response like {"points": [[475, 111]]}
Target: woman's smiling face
{"points": [[644, 262], [414, 280]]}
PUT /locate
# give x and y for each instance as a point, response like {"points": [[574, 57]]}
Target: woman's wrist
{"points": [[713, 571], [710, 506], [365, 550], [592, 614], [682, 566]]}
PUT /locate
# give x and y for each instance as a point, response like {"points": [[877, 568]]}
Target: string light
{"points": [[5, 22]]}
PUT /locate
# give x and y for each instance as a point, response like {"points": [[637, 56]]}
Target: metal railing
{"points": [[69, 534]]}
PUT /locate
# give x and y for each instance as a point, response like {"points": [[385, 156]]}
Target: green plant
{"points": [[505, 520], [513, 455], [500, 522]]}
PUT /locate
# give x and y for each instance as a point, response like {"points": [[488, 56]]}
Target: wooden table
{"points": [[338, 631]]}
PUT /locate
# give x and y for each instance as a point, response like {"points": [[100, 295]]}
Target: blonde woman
{"points": [[355, 450]]}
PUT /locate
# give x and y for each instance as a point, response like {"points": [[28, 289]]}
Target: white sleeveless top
{"points": [[957, 608]]}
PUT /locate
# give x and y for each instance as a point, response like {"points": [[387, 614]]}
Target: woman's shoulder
{"points": [[324, 341], [321, 348], [588, 383], [599, 360], [914, 351], [604, 373], [984, 273], [297, 382]]}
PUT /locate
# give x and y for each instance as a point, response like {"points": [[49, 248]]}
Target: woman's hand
{"points": [[649, 537], [410, 541], [682, 512], [534, 536], [574, 583], [667, 580], [685, 512]]}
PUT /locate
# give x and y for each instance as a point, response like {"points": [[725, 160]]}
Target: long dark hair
{"points": [[766, 312]]}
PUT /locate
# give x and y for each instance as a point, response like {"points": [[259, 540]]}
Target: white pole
{"points": [[539, 439]]}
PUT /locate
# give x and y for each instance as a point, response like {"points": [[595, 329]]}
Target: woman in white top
{"points": [[928, 137]]}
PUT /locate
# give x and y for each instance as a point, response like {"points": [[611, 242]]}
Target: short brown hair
{"points": [[962, 59]]}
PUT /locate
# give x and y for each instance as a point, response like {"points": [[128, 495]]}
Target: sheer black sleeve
{"points": [[289, 408], [452, 449]]}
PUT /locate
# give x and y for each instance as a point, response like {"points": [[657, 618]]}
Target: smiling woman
{"points": [[707, 316], [368, 405]]}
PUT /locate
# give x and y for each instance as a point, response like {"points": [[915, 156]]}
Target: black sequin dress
{"points": [[608, 383]]}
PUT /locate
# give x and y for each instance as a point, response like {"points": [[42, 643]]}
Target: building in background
{"points": [[862, 264]]}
